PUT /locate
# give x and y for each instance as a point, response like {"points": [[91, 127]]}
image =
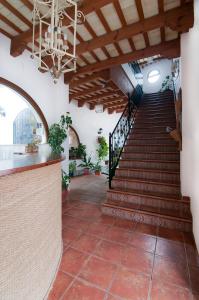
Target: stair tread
{"points": [[151, 160], [154, 152], [153, 195], [148, 170], [150, 211], [160, 195], [148, 181]]}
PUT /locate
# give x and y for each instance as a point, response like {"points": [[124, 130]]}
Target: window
{"points": [[21, 120], [153, 76]]}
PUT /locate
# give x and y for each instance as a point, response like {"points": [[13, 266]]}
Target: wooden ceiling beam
{"points": [[115, 105], [18, 43], [167, 49], [161, 10], [168, 18], [103, 75], [10, 24], [101, 97], [109, 101], [141, 16], [15, 12], [88, 92]]}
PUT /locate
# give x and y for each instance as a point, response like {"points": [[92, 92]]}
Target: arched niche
{"points": [[20, 115]]}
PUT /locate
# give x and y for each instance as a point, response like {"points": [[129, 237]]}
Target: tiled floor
{"points": [[111, 259]]}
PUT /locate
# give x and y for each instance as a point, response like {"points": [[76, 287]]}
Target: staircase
{"points": [[146, 185]]}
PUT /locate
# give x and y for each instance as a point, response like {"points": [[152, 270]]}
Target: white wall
{"points": [[87, 123], [164, 67], [22, 70], [190, 119]]}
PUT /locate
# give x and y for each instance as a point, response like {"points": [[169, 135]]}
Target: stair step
{"points": [[148, 135], [148, 216], [147, 141], [153, 199], [150, 164], [166, 156], [151, 148], [149, 174], [146, 185]]}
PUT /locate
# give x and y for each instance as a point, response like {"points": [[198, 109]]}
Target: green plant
{"points": [[97, 166], [86, 163], [65, 180], [72, 168], [165, 84], [58, 133], [102, 150], [81, 150]]}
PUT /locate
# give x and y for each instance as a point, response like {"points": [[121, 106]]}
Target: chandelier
{"points": [[53, 22]]}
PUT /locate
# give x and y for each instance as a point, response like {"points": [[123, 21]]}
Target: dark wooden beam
{"points": [[169, 18], [101, 97], [166, 49], [104, 75], [141, 16], [19, 42], [88, 92]]}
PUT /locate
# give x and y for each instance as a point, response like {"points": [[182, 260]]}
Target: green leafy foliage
{"points": [[97, 166], [72, 167], [78, 152], [58, 133], [166, 84], [86, 163], [65, 180], [102, 150]]}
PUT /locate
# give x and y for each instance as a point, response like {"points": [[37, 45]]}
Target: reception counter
{"points": [[30, 226]]}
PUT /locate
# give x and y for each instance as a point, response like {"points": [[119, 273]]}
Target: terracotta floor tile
{"points": [[195, 296], [61, 283], [107, 220], [111, 297], [137, 259], [86, 243], [170, 272], [70, 234], [192, 255], [76, 223], [143, 241], [147, 229], [130, 285], [194, 276], [125, 224], [98, 229], [173, 250], [99, 272], [112, 252], [162, 291], [72, 261], [83, 291], [189, 238], [117, 235], [170, 234]]}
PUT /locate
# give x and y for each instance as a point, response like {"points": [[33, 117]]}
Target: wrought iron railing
{"points": [[119, 135]]}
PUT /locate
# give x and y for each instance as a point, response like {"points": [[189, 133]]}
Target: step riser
{"points": [[163, 123], [157, 107], [149, 165], [147, 135], [153, 176], [147, 219], [153, 202], [151, 156], [146, 187], [151, 117], [150, 148], [152, 140], [153, 130]]}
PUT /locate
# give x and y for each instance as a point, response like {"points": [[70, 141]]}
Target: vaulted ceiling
{"points": [[115, 32]]}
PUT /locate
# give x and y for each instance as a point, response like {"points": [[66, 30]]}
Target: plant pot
{"points": [[97, 173], [86, 171]]}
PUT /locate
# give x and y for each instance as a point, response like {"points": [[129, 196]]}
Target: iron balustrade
{"points": [[117, 138]]}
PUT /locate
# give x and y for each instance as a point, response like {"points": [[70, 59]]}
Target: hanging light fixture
{"points": [[52, 21]]}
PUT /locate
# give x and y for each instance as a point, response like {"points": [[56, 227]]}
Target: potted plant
{"points": [[166, 84], [81, 151], [65, 184], [72, 168], [86, 164], [102, 150], [97, 168], [58, 133]]}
